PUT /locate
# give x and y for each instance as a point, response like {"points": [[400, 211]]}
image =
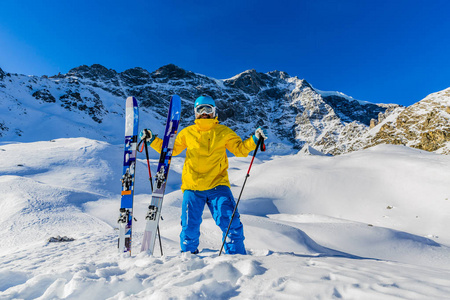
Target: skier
{"points": [[205, 176]]}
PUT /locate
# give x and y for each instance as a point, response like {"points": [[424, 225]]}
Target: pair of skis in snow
{"points": [[129, 166]]}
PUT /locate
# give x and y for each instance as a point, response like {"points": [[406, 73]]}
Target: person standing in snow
{"points": [[205, 174]]}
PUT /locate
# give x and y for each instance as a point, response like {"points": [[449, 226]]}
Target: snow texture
{"points": [[371, 224]]}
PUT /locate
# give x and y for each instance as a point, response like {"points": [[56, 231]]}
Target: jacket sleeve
{"points": [[178, 147], [238, 147]]}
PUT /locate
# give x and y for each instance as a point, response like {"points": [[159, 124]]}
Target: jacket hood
{"points": [[206, 124]]}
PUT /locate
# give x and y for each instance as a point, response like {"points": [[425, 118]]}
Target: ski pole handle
{"points": [[260, 144], [263, 145]]}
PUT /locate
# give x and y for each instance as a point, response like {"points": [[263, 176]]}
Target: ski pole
{"points": [[151, 184], [263, 148], [148, 165]]}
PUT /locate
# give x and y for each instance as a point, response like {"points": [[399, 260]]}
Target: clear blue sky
{"points": [[389, 51]]}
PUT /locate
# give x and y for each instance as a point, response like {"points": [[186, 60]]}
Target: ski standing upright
{"points": [[129, 166], [154, 209]]}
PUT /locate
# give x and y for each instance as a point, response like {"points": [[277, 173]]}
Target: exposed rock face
{"points": [[95, 73], [44, 95], [290, 108], [354, 110], [91, 104], [424, 125]]}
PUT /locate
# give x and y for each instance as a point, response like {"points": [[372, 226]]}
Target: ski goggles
{"points": [[205, 109]]}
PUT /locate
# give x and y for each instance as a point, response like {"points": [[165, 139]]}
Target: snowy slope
{"points": [[366, 225], [27, 118]]}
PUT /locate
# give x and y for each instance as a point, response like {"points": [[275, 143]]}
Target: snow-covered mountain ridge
{"points": [[89, 102]]}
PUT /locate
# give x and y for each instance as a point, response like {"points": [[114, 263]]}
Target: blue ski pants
{"points": [[221, 203]]}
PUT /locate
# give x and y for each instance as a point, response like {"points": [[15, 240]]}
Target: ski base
{"points": [[129, 166], [154, 209]]}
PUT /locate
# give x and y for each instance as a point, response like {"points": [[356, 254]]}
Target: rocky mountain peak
{"points": [[95, 72], [173, 72], [424, 125], [250, 81], [136, 72], [2, 74], [279, 74], [136, 76]]}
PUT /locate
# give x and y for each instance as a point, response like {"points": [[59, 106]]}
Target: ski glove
{"points": [[147, 135], [259, 132]]}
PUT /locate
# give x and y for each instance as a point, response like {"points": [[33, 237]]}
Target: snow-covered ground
{"points": [[371, 224]]}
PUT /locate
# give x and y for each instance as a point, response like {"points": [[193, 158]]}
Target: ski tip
{"points": [[132, 101], [175, 98], [175, 101]]}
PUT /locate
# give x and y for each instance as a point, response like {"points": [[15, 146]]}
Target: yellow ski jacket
{"points": [[206, 164]]}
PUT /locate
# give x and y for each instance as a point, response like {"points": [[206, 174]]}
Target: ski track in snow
{"points": [[306, 237]]}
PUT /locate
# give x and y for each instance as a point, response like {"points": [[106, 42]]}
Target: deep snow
{"points": [[371, 224]]}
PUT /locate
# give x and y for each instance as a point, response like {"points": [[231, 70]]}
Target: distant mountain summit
{"points": [[424, 125], [89, 101]]}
